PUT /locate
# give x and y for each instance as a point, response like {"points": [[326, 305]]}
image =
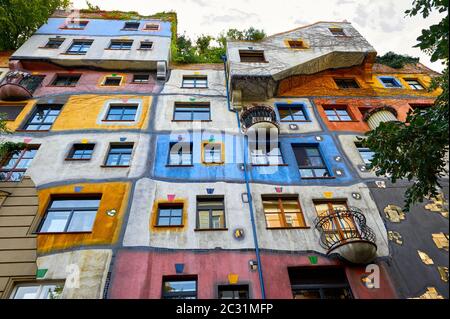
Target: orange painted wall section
{"points": [[106, 229], [322, 84], [355, 106], [82, 112]]}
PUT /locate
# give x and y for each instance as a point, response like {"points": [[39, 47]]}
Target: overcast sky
{"points": [[382, 22]]}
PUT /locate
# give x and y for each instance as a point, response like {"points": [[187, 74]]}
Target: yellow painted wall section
{"points": [[323, 84], [83, 111], [16, 124], [106, 228]]}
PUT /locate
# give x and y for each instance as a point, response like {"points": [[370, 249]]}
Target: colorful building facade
{"points": [[237, 180]]}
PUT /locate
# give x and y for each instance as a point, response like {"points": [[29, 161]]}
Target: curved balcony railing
{"points": [[346, 233], [259, 116], [19, 85]]}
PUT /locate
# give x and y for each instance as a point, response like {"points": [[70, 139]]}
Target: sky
{"points": [[382, 22]]}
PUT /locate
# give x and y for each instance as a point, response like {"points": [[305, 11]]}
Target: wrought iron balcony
{"points": [[259, 116], [346, 233], [19, 85]]}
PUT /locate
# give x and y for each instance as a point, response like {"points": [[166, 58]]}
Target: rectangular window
{"points": [[170, 215], [340, 227], [121, 45], [121, 112], [283, 212], [141, 78], [390, 83], [81, 152], [70, 215], [131, 26], [366, 153], [38, 291], [66, 80], [146, 45], [346, 83], [337, 113], [192, 112], [292, 113], [14, 166], [80, 47], [310, 162], [295, 44], [76, 24], [414, 84], [212, 153], [210, 212], [233, 292], [43, 118], [337, 32], [265, 152], [151, 27], [112, 81], [179, 287], [251, 56], [119, 155], [319, 283], [195, 82], [180, 154], [10, 112], [54, 43]]}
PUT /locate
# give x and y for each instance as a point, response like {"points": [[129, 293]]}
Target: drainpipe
{"points": [[247, 185]]}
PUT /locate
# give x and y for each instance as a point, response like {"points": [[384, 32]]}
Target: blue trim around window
{"points": [[299, 105], [325, 160], [397, 81]]}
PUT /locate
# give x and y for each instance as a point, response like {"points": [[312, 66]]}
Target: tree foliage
{"points": [[396, 61], [416, 150], [19, 19], [208, 49], [7, 148]]}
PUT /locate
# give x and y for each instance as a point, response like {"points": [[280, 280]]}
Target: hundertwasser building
{"points": [[145, 179]]}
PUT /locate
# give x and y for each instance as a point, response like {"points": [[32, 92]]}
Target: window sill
{"points": [[31, 131], [287, 122], [140, 49], [47, 48], [63, 233], [114, 166], [61, 86], [198, 88], [121, 121], [118, 49], [352, 121], [287, 228], [170, 165], [140, 82], [68, 53], [181, 121], [171, 226], [77, 160], [210, 229], [331, 177], [268, 165]]}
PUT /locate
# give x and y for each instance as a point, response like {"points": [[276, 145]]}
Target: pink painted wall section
{"points": [[90, 81], [138, 274]]}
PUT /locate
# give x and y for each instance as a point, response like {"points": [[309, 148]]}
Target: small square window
{"points": [[415, 84], [210, 212], [180, 154], [233, 292], [297, 44], [66, 80], [191, 82], [80, 47], [76, 24], [141, 78], [131, 26], [283, 212], [251, 56], [179, 287], [337, 113], [292, 113], [151, 27], [112, 81], [68, 215], [121, 112], [390, 83], [146, 45], [81, 152], [346, 83], [212, 153], [170, 215], [121, 45], [54, 43], [337, 32], [119, 155], [10, 112]]}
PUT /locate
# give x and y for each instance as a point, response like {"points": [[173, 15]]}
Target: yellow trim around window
{"points": [[154, 216], [103, 79], [222, 153], [305, 44]]}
